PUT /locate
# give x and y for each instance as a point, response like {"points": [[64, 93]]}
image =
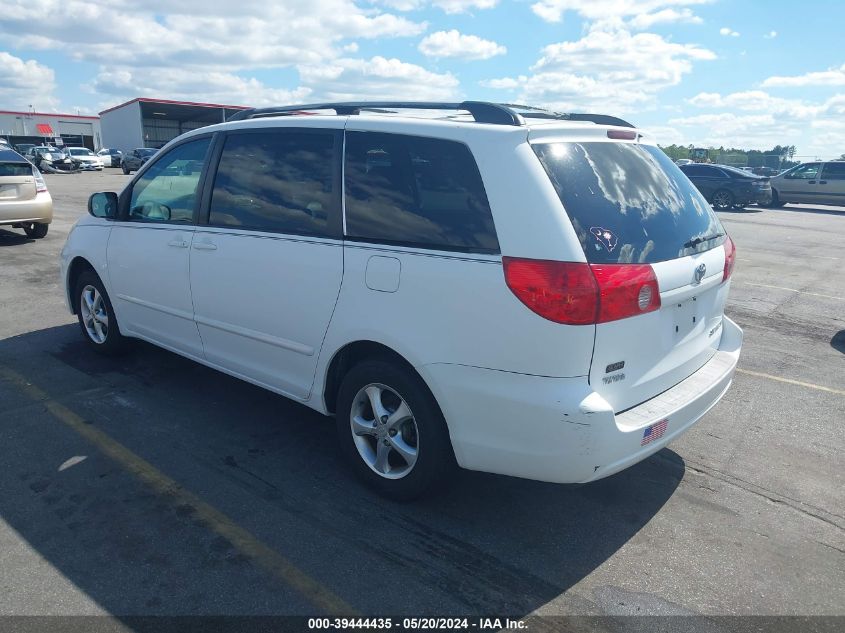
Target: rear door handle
{"points": [[178, 243], [812, 182], [822, 182], [205, 246]]}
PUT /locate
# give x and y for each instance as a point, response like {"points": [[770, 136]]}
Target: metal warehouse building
{"points": [[49, 128], [145, 122]]}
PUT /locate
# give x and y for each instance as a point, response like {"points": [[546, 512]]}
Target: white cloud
{"points": [[728, 32], [647, 20], [124, 83], [448, 6], [642, 58], [664, 134], [771, 35], [506, 83], [608, 71], [831, 77], [757, 100], [729, 129], [211, 33], [755, 119], [209, 49], [377, 78], [464, 6], [455, 44], [25, 83], [554, 10]]}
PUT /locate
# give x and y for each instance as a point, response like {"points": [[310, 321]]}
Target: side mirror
{"points": [[103, 205]]}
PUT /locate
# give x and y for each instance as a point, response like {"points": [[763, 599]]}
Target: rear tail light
{"points": [[40, 185], [563, 292], [730, 258], [582, 294], [626, 290], [622, 135]]}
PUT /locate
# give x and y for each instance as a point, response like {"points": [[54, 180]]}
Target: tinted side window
{"points": [[167, 192], [277, 181], [804, 172], [416, 191], [834, 171], [710, 172]]}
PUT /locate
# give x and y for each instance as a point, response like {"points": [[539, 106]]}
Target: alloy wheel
{"points": [[722, 200], [384, 431], [95, 314]]}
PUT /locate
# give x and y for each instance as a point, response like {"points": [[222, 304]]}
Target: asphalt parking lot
{"points": [[150, 485]]}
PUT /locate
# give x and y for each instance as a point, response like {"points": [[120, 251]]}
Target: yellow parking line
{"points": [[800, 383], [264, 556], [803, 292]]}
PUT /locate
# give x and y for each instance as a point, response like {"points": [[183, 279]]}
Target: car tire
{"points": [[723, 199], [776, 202], [96, 316], [401, 458], [125, 170], [35, 230]]}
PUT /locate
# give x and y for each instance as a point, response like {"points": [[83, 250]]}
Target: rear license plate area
{"points": [[686, 317], [8, 191]]}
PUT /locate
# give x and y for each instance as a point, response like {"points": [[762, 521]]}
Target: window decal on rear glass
{"points": [[606, 237]]}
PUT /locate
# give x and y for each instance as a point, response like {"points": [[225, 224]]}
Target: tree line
{"points": [[779, 157]]}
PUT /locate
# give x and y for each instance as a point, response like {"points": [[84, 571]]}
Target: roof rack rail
{"points": [[601, 119], [482, 111]]}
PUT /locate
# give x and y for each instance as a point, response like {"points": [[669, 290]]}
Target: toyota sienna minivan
{"points": [[498, 288]]}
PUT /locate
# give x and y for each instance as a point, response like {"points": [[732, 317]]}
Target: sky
{"points": [[733, 73]]}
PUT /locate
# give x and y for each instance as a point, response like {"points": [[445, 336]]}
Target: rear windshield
{"points": [[15, 169], [629, 203]]}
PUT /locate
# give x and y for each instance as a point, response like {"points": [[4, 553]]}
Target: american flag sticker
{"points": [[655, 431]]}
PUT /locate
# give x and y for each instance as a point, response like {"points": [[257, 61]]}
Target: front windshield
{"points": [[81, 152], [147, 152]]}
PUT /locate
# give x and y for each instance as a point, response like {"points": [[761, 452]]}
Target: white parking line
{"points": [[800, 383], [803, 292]]}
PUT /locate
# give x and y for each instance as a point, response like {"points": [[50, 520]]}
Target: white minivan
{"points": [[503, 289]]}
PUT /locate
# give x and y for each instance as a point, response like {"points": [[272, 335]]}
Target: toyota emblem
{"points": [[700, 270]]}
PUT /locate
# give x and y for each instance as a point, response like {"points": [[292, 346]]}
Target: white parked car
{"points": [[85, 157], [110, 157], [538, 297]]}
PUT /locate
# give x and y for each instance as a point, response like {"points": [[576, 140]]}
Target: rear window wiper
{"points": [[698, 240]]}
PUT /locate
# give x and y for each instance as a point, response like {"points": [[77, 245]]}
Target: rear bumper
{"points": [[558, 429], [38, 209]]}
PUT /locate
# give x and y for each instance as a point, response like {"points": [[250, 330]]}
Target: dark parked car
{"points": [[133, 160], [725, 187]]}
